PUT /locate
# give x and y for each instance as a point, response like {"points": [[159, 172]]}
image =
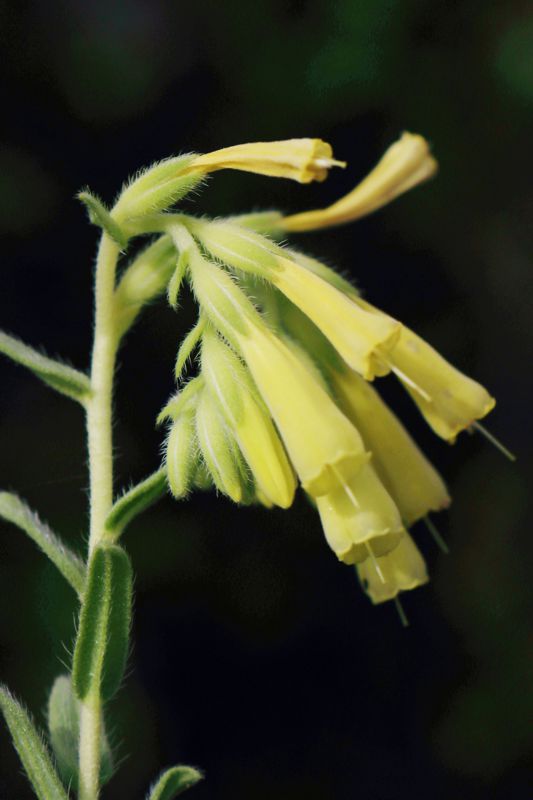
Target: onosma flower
{"points": [[287, 351]]}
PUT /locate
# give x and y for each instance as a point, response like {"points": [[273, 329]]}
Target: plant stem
{"points": [[99, 434]]}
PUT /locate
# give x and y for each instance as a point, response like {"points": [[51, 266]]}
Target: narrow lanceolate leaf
{"points": [[173, 782], [175, 282], [31, 749], [102, 642], [187, 346], [100, 216], [135, 501], [60, 377], [15, 510], [64, 728]]}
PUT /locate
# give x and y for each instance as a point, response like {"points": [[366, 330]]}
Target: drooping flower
{"points": [[399, 570], [287, 348], [359, 518], [405, 164]]}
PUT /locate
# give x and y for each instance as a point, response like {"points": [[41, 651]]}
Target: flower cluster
{"points": [[288, 353]]}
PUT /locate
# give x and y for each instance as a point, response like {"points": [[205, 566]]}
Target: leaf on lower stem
{"points": [[102, 643], [173, 782], [135, 501], [32, 751], [59, 376], [15, 510], [64, 728], [100, 216]]}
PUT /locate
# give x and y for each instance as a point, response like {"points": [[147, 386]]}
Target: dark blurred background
{"points": [[255, 654]]}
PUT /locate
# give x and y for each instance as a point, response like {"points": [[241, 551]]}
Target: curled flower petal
{"points": [[404, 165], [302, 160]]}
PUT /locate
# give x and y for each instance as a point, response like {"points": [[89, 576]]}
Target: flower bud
{"points": [[181, 454], [145, 279], [245, 414], [219, 451]]}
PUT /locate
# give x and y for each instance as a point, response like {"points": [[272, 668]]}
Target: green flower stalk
{"points": [[281, 397]]}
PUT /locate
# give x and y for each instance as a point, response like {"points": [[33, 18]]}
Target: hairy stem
{"points": [[99, 433]]}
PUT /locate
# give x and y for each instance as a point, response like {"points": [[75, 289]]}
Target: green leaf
{"points": [[64, 727], [101, 648], [187, 346], [31, 749], [70, 565], [174, 781], [177, 278], [135, 501], [100, 216], [59, 376]]}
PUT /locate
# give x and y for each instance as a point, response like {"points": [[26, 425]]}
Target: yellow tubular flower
{"points": [[404, 165], [361, 343], [321, 442], [319, 439], [402, 569], [361, 338], [448, 399], [252, 427], [408, 476], [302, 160], [360, 518]]}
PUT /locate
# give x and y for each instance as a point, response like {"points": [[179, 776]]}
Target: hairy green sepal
{"points": [[62, 378], [15, 510], [100, 216], [101, 648], [135, 501], [173, 782], [64, 728], [31, 749]]}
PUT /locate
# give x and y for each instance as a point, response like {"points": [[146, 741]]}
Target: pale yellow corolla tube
{"points": [[412, 481], [321, 442], [249, 421], [361, 338], [448, 399], [302, 160], [401, 570], [407, 163], [353, 332], [359, 518], [319, 439]]}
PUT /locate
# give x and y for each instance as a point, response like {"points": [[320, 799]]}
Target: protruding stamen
{"points": [[434, 531], [493, 440], [401, 612], [374, 562], [406, 379], [346, 488]]}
